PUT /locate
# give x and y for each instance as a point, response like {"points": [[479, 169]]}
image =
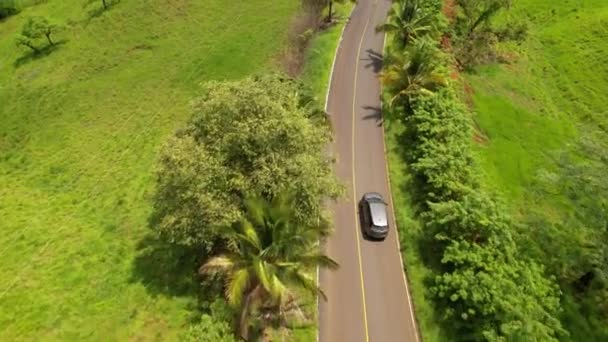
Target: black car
{"points": [[374, 215]]}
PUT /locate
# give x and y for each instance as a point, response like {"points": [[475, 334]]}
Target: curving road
{"points": [[368, 298]]}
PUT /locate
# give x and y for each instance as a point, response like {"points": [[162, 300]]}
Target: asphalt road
{"points": [[368, 298]]}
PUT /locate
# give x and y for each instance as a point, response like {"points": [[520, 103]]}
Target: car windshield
{"points": [[378, 214]]}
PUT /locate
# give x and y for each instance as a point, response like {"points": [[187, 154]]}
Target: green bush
{"points": [[208, 329], [441, 155], [8, 8]]}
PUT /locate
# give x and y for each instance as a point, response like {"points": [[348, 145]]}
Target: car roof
{"points": [[378, 213]]}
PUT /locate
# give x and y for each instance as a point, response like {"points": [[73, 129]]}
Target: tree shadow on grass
{"points": [[32, 55], [166, 269]]}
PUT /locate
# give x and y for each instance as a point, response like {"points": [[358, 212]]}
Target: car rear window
{"points": [[378, 214]]}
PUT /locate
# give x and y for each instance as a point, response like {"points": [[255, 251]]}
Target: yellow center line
{"points": [[357, 229]]}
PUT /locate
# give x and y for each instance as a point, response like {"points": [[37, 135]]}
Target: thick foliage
{"points": [[8, 8], [442, 156], [255, 136], [414, 70], [491, 294], [407, 20], [208, 329], [495, 297], [483, 289], [268, 255]]}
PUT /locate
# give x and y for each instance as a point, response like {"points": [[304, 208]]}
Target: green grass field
{"points": [[534, 107], [538, 108], [79, 132]]}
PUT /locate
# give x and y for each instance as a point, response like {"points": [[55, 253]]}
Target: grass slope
{"points": [[535, 107], [542, 105], [78, 140]]}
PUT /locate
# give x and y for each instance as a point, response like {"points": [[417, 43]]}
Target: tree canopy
{"points": [[260, 135]]}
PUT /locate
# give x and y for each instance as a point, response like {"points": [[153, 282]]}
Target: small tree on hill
{"points": [[35, 29], [105, 3]]}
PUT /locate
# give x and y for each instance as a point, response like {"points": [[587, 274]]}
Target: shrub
{"points": [[208, 329], [8, 8]]}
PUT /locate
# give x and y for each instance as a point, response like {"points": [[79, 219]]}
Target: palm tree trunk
{"points": [[265, 334], [244, 315]]}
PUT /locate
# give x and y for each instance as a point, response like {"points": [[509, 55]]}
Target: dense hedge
{"points": [[484, 291]]}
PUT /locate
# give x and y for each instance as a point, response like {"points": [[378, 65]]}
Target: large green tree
{"points": [[258, 135], [270, 253]]}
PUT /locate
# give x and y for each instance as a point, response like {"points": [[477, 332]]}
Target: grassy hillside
{"points": [[542, 123], [79, 133]]}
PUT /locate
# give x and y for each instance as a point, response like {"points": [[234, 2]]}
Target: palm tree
{"points": [[268, 252], [414, 71], [407, 22]]}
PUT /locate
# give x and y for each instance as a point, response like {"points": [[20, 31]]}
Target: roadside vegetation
{"points": [[502, 217], [244, 184], [541, 114]]}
